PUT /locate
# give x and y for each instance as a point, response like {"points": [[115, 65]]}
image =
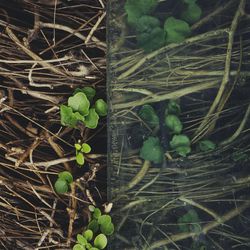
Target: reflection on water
{"points": [[179, 124]]}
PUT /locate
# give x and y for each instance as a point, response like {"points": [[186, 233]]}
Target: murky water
{"points": [[179, 124]]}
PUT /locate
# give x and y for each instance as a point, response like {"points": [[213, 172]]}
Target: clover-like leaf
{"points": [[93, 226], [81, 239], [149, 116], [91, 120], [61, 186], [101, 107], [66, 175], [152, 150], [138, 8], [206, 145], [173, 123], [85, 148], [79, 247], [80, 158], [100, 241], [79, 103], [176, 30], [192, 13], [88, 235], [88, 91], [150, 36]]}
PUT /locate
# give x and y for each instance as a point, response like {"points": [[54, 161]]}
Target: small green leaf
{"points": [[79, 247], [104, 219], [192, 13], [88, 234], [79, 103], [101, 107], [206, 145], [149, 116], [88, 91], [173, 108], [107, 229], [80, 158], [67, 176], [150, 36], [91, 120], [91, 208], [152, 150], [183, 150], [173, 123], [81, 239], [97, 213], [176, 30], [78, 146], [179, 141], [94, 226], [100, 241], [89, 246], [61, 186], [85, 148], [136, 9], [189, 222], [67, 116]]}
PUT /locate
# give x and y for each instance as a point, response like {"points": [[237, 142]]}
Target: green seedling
{"points": [[79, 109], [63, 182], [181, 145], [176, 30], [192, 13], [81, 149], [173, 123], [152, 150], [150, 36], [136, 9], [149, 116], [95, 237], [173, 107]]}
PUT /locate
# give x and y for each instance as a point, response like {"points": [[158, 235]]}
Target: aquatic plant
{"points": [[95, 236]]}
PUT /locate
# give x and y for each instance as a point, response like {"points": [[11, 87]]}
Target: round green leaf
{"points": [[79, 247], [183, 150], [149, 116], [61, 186], [85, 148], [104, 219], [78, 146], [91, 208], [179, 141], [176, 30], [173, 123], [88, 91], [97, 213], [80, 158], [100, 241], [80, 103], [192, 13], [88, 234], [66, 175], [206, 145], [93, 226], [81, 239], [173, 107], [152, 150], [107, 228], [101, 107], [91, 120]]}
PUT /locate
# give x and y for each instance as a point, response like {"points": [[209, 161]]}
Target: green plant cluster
{"points": [[95, 237], [81, 109], [150, 34], [81, 149], [63, 182], [179, 143]]}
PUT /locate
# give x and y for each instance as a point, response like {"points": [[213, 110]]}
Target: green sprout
{"points": [[192, 12], [206, 145], [95, 237], [149, 116], [173, 123], [152, 150], [181, 144], [63, 182], [79, 109], [173, 107], [81, 149]]}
